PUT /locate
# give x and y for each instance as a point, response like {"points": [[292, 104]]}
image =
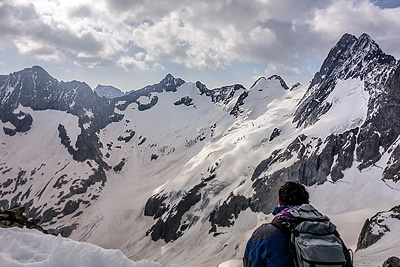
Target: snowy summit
{"points": [[162, 171]]}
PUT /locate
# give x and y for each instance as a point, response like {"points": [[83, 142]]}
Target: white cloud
{"points": [[281, 69], [357, 17], [196, 34], [127, 63]]}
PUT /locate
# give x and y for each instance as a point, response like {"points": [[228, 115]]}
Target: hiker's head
{"points": [[293, 193]]}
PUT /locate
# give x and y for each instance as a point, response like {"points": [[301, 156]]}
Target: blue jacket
{"points": [[268, 246]]}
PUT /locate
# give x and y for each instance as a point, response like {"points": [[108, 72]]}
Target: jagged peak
{"points": [[366, 42], [365, 36], [169, 76], [108, 91], [38, 68], [347, 37], [106, 86], [279, 78], [257, 81], [295, 86], [170, 80], [35, 69]]}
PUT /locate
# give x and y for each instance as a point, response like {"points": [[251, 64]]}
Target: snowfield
{"points": [[177, 173], [31, 248]]}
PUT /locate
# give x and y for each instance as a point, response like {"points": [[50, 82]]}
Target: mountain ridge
{"points": [[189, 166]]}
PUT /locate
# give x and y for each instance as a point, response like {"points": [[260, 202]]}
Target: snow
{"points": [[89, 113], [31, 248], [387, 247], [144, 100], [238, 145], [358, 196], [48, 120], [349, 109], [9, 90], [9, 125]]}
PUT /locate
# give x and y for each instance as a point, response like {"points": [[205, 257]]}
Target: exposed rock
{"points": [[295, 86], [15, 217], [70, 207], [155, 206], [120, 165], [279, 78], [229, 210], [185, 100], [171, 227], [129, 135], [153, 102], [222, 94], [392, 262], [240, 102], [350, 58], [275, 133], [376, 227]]}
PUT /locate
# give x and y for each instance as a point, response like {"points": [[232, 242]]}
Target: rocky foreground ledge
{"points": [[15, 217]]}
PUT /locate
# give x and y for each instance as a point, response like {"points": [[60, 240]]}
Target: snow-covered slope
{"points": [[179, 173], [108, 91], [25, 247]]}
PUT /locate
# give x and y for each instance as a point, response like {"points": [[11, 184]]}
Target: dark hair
{"points": [[293, 193]]}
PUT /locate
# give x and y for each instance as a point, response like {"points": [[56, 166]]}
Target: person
{"points": [[269, 245]]}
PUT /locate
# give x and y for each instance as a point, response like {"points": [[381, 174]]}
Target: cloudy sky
{"points": [[133, 43]]}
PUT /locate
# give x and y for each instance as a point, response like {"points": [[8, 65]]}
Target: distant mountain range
{"points": [[108, 91], [179, 173]]}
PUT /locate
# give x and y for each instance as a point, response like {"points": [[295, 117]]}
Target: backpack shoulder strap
{"points": [[282, 225]]}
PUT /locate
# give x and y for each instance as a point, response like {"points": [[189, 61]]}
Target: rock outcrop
{"points": [[15, 217], [377, 226]]}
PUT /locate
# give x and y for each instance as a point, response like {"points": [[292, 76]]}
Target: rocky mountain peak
{"points": [[366, 42], [279, 78], [38, 70], [351, 58], [170, 82], [257, 81], [108, 91]]}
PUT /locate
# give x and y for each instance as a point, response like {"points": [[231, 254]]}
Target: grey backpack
{"points": [[314, 241]]}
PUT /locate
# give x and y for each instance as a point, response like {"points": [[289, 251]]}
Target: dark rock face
{"points": [[313, 165], [376, 227], [295, 86], [172, 227], [65, 140], [129, 134], [381, 127], [15, 217], [36, 89], [171, 210], [168, 84], [279, 78], [219, 95], [360, 58], [350, 58], [185, 100], [156, 206], [21, 121], [275, 133], [392, 262], [236, 111], [230, 209], [120, 165], [70, 207]]}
